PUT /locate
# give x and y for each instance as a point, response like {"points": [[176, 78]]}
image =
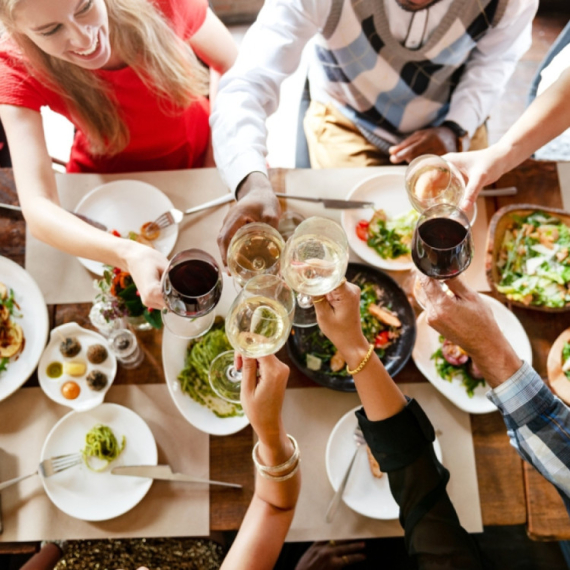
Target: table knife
{"points": [[164, 473], [329, 202]]}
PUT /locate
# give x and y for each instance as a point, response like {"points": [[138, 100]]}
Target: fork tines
{"points": [[59, 463], [164, 220]]}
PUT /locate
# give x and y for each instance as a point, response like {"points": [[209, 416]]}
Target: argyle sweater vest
{"points": [[381, 85]]}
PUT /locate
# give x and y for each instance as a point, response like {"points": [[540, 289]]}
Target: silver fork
{"points": [[335, 501], [175, 216], [48, 467]]}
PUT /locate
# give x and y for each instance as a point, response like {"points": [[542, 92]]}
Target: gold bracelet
{"points": [[363, 363], [277, 469]]}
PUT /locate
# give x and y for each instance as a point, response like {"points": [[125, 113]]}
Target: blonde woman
{"points": [[126, 73]]}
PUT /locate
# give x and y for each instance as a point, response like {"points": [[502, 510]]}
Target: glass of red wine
{"points": [[442, 245], [191, 287]]}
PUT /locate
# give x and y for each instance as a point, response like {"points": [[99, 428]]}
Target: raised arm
{"points": [[48, 222], [400, 437], [268, 518]]}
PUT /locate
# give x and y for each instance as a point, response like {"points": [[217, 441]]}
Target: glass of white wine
{"points": [[255, 249], [258, 324], [431, 180], [314, 262]]}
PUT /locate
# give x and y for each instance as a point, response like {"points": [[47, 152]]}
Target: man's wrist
{"points": [[459, 132], [254, 182], [497, 363]]}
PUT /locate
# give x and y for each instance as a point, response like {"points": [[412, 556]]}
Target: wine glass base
{"points": [[185, 327], [305, 318], [225, 380]]}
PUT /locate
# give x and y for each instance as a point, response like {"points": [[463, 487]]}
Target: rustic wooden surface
{"points": [[499, 469]]}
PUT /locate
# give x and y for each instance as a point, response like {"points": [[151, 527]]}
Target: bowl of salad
{"points": [[528, 257], [558, 366], [388, 321]]}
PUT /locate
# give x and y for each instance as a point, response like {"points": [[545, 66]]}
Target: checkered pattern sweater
{"points": [[385, 86]]}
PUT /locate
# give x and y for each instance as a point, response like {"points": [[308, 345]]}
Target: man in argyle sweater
{"points": [[389, 80]]}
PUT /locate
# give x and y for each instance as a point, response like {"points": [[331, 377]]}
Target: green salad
{"points": [[534, 261], [194, 376], [566, 360]]}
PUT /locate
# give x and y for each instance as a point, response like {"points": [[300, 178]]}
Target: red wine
{"points": [[442, 248]]}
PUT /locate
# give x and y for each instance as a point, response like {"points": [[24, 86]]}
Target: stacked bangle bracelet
{"points": [[278, 472]]}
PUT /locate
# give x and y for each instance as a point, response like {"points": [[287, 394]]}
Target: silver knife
{"points": [[329, 202], [164, 473]]}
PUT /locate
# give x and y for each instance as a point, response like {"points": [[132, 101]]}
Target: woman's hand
{"points": [[262, 392]]}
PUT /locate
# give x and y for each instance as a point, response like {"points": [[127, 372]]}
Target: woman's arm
{"points": [[268, 518], [50, 223]]}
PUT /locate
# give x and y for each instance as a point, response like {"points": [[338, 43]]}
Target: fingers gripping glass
{"points": [[258, 324], [191, 287]]}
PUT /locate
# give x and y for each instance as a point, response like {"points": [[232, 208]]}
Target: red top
{"points": [[159, 140]]}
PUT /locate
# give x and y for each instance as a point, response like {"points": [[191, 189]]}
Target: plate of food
{"points": [[383, 236], [528, 257], [367, 490], [77, 368], [452, 371], [127, 208], [558, 366], [388, 321], [24, 326], [186, 365], [107, 436]]}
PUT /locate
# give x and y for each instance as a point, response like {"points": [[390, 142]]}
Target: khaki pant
{"points": [[335, 142]]}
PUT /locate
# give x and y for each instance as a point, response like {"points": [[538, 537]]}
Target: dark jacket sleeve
{"points": [[403, 447]]}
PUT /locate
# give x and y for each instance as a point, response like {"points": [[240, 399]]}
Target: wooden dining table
{"points": [[511, 492]]}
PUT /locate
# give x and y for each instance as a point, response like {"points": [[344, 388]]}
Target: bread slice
{"points": [[374, 467]]}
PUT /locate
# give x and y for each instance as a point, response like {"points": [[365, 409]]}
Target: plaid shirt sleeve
{"points": [[538, 425]]}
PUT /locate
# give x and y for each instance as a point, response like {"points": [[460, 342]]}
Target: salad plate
{"points": [[54, 387], [558, 366], [308, 341], [365, 494], [388, 192], [428, 342], [97, 496], [532, 269], [124, 206], [32, 317], [173, 360]]}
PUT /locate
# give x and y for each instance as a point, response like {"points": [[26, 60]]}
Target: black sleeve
{"points": [[402, 445]]}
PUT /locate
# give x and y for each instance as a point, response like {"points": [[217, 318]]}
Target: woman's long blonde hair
{"points": [[142, 38]]}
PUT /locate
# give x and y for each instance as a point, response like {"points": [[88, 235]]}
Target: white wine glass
{"points": [[314, 262], [191, 288], [258, 324]]}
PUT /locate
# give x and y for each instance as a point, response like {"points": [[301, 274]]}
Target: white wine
{"points": [[314, 264], [431, 185], [254, 253], [258, 326]]}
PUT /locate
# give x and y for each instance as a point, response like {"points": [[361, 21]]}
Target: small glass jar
{"points": [[124, 345], [100, 322]]}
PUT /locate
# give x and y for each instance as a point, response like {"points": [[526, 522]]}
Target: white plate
{"points": [[87, 398], [427, 342], [388, 192], [125, 205], [173, 357], [363, 493], [89, 496], [34, 323]]}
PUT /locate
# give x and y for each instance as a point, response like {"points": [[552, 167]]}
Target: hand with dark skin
{"points": [[435, 140], [327, 556], [256, 203]]}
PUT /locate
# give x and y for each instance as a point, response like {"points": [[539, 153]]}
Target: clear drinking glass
{"points": [[191, 287], [431, 180], [124, 345], [315, 259], [258, 324], [255, 249]]}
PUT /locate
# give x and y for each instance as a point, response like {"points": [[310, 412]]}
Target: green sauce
{"points": [[54, 370]]}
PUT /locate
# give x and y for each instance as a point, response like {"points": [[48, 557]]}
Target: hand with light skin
{"points": [[467, 321], [256, 203], [331, 555], [435, 140]]}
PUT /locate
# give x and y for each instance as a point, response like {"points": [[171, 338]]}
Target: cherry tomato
{"points": [[363, 224], [116, 233], [382, 339]]}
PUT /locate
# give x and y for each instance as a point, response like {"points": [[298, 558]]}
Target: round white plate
{"points": [[364, 493], [89, 496], [34, 323], [427, 342], [173, 357], [87, 398], [125, 205], [388, 192]]}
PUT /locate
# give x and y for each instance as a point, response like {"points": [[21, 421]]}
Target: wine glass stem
{"points": [[304, 301], [233, 374]]}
